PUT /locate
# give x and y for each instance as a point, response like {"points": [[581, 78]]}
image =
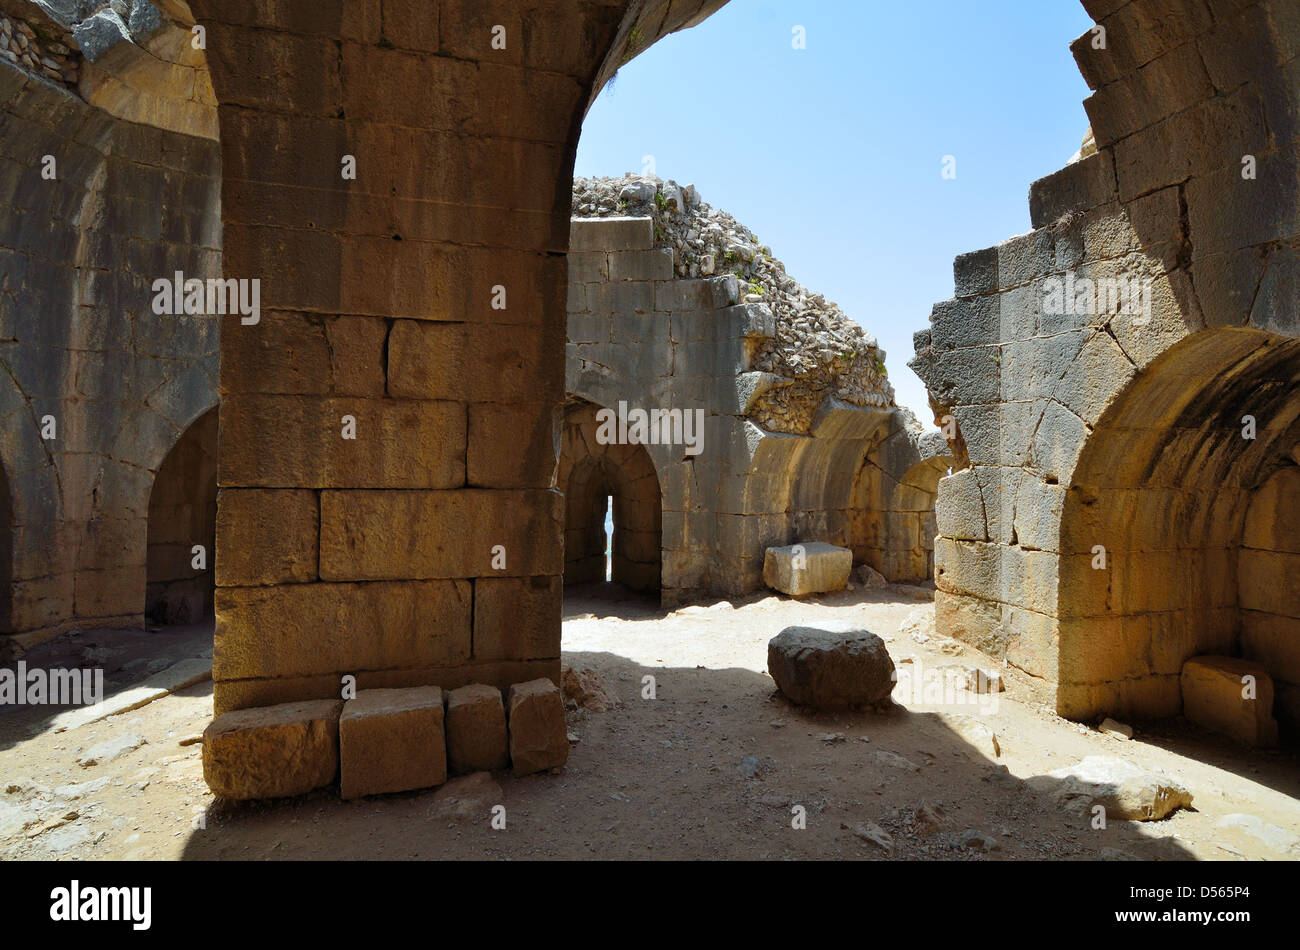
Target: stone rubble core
{"points": [[49, 58], [696, 506], [384, 741], [815, 351]]}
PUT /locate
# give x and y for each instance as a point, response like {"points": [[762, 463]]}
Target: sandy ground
{"points": [[718, 765]]}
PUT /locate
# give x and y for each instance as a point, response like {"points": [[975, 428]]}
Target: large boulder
{"points": [[830, 669], [1125, 790], [803, 569]]}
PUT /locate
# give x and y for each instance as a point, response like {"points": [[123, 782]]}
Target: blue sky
{"points": [[832, 154]]}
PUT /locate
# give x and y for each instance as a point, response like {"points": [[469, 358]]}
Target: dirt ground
{"points": [[716, 766]]}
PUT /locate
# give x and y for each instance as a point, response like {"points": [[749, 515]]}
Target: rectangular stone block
{"points": [[477, 740], [297, 442], [539, 738], [266, 537], [656, 264], [272, 751], [388, 535], [391, 740], [306, 629], [803, 569], [517, 618], [1231, 696], [513, 446], [475, 363], [606, 234]]}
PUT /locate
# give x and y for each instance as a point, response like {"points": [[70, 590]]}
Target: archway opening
{"points": [[183, 527], [1179, 536], [612, 527]]}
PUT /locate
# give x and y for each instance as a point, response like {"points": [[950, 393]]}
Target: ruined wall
{"points": [[644, 337], [1080, 419], [79, 344]]}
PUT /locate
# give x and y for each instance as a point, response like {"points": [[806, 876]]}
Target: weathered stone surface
{"points": [[476, 730], [272, 751], [539, 738], [803, 569], [1231, 696], [584, 688], [392, 740], [1125, 790], [830, 669]]}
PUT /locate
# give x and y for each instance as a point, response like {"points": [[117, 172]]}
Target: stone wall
{"points": [[644, 338], [96, 389], [424, 300], [1094, 535]]}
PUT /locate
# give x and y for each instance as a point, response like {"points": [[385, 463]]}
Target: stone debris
{"points": [[110, 749], [584, 688], [812, 567], [919, 624], [977, 840], [1230, 696], [929, 818], [1125, 790], [539, 739], [470, 796], [829, 669], [895, 761], [816, 350], [1115, 729], [869, 578], [982, 740], [872, 833]]}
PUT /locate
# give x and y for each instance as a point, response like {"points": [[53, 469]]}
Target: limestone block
{"points": [[830, 669], [391, 740], [802, 569], [603, 234], [476, 730], [1213, 688], [656, 264], [539, 737], [959, 507], [266, 537], [272, 751]]}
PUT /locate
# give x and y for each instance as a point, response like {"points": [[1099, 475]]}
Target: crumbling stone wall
{"points": [[644, 337], [1094, 535], [96, 388]]}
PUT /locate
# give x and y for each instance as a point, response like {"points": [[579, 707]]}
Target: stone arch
{"points": [[591, 472], [182, 514], [1190, 515]]}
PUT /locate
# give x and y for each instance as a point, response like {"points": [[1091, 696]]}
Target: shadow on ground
{"points": [[712, 768]]}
